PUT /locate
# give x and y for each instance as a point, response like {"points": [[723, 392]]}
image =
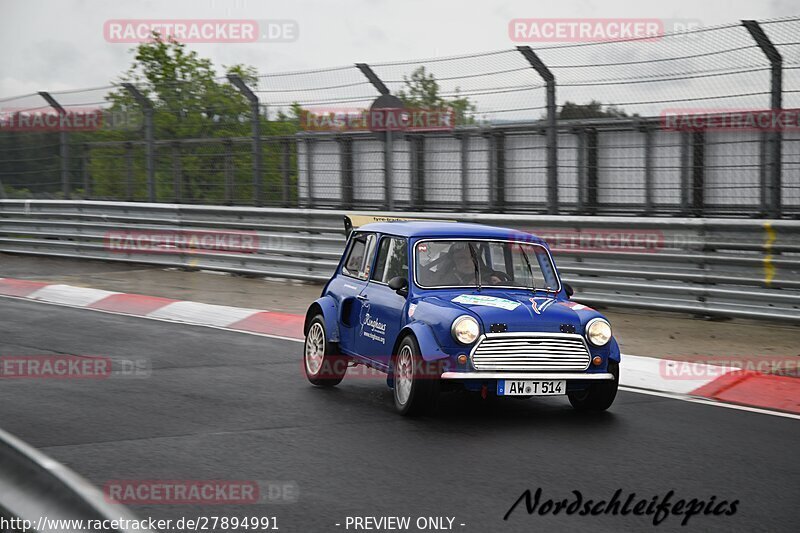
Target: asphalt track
{"points": [[225, 405]]}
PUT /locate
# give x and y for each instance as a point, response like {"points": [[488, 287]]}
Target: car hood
{"points": [[519, 311]]}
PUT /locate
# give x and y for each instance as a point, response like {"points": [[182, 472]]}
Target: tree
{"points": [[593, 109], [422, 91], [190, 101]]}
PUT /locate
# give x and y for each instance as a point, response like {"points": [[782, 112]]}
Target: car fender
{"points": [[613, 351], [431, 351], [329, 308]]}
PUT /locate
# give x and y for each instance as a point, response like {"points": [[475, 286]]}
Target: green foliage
{"points": [[594, 109], [422, 91], [189, 102]]}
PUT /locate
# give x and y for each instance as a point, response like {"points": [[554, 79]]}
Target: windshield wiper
{"points": [[530, 270], [477, 265]]}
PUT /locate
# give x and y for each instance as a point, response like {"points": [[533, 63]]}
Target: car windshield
{"points": [[452, 263]]}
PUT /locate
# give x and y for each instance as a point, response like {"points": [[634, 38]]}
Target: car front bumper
{"points": [[570, 376]]}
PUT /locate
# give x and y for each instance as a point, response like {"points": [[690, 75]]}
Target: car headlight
{"points": [[598, 331], [465, 329]]}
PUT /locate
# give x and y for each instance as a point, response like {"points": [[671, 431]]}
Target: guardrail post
{"points": [[255, 121], [698, 172], [285, 168], [552, 126], [177, 172], [149, 161], [776, 105], [87, 179], [63, 142], [346, 169], [129, 171]]}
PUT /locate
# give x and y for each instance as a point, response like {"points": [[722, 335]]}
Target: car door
{"points": [[349, 284], [383, 310]]}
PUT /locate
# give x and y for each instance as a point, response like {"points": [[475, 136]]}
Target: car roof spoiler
{"points": [[352, 222]]}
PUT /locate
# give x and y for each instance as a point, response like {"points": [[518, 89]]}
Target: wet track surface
{"points": [[223, 405]]}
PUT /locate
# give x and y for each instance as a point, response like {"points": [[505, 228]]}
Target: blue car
{"points": [[438, 305]]}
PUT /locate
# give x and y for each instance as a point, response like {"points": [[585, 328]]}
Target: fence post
{"points": [[129, 171], [87, 179], [149, 160], [499, 148], [346, 169], [698, 172], [309, 170], [592, 171], [228, 165], [177, 171], [418, 199], [63, 141], [580, 175], [464, 170], [285, 164], [685, 172], [255, 121], [388, 140], [776, 104], [552, 127], [648, 168]]}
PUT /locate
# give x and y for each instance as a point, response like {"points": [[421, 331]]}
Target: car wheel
{"points": [[597, 396], [323, 366], [416, 390]]}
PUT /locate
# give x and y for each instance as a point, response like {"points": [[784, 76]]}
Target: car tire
{"points": [[416, 390], [597, 396], [323, 366]]}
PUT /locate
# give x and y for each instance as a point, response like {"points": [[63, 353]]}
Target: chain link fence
{"points": [[636, 126]]}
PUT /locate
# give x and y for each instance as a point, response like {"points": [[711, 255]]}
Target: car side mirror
{"points": [[399, 284], [569, 290]]}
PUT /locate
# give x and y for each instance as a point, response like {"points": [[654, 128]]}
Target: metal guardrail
{"points": [[715, 267]]}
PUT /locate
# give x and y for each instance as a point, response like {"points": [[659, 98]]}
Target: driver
{"points": [[460, 268]]}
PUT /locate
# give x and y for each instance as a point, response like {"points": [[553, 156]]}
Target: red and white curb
{"points": [[705, 383], [275, 324]]}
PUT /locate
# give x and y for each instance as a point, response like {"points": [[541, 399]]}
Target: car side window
{"points": [[359, 257], [392, 260]]}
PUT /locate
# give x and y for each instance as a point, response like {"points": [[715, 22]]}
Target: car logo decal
{"points": [[539, 308]]}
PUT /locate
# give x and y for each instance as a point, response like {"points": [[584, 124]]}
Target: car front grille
{"points": [[541, 351]]}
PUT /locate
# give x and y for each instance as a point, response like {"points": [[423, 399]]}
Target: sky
{"points": [[60, 44]]}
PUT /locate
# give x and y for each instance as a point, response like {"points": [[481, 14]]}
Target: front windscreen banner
{"points": [[352, 222]]}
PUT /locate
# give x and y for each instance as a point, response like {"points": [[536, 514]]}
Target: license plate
{"points": [[518, 387]]}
